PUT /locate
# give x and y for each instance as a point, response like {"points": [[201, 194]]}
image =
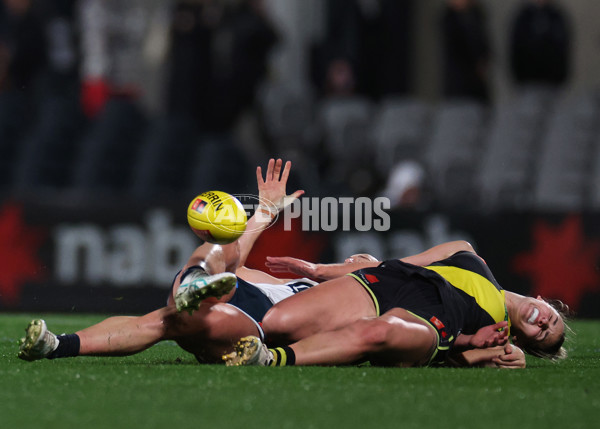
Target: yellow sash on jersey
{"points": [[485, 292]]}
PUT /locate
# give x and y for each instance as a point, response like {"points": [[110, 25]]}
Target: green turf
{"points": [[164, 388]]}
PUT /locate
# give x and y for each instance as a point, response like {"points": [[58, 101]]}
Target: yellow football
{"points": [[217, 217]]}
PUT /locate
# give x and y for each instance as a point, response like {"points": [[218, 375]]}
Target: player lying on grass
{"points": [[213, 329], [407, 312], [227, 306]]}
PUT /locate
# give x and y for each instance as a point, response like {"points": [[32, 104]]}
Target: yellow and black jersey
{"points": [[454, 296], [473, 280]]}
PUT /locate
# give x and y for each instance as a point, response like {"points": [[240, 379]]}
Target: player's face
{"points": [[360, 257], [538, 322]]}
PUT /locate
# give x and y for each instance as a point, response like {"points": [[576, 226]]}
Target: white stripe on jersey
{"points": [[279, 292]]}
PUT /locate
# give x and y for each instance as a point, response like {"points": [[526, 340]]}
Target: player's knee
{"points": [[280, 326], [373, 334], [275, 322]]}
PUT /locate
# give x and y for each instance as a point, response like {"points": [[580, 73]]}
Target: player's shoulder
{"points": [[466, 260], [472, 262]]}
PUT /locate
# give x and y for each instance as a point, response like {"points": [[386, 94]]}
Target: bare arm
{"points": [[272, 199], [507, 356], [438, 253], [286, 264]]}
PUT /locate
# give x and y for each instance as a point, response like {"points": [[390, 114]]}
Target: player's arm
{"points": [[438, 253], [508, 356], [286, 264], [272, 199], [488, 336], [229, 257]]}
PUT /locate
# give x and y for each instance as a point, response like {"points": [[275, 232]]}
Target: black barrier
{"points": [[121, 258]]}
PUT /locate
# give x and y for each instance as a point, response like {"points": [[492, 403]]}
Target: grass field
{"points": [[164, 388]]}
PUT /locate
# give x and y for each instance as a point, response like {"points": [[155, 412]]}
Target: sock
{"points": [[68, 346], [191, 270], [283, 356]]}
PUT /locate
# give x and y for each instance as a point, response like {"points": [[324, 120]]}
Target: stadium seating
{"points": [[594, 184], [564, 164], [164, 161], [108, 150], [511, 150], [344, 125], [454, 149], [399, 131], [45, 155], [287, 113], [536, 150]]}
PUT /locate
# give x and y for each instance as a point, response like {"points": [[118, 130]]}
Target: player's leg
{"points": [[119, 336], [205, 276], [397, 339], [123, 335], [324, 307], [208, 334], [214, 334]]}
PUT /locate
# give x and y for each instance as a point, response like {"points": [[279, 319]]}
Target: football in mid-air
{"points": [[217, 217]]}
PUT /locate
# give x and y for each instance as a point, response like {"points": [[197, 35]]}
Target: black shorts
{"points": [[395, 284]]}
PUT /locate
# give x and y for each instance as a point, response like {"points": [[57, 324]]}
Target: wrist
{"points": [[267, 213], [318, 271]]}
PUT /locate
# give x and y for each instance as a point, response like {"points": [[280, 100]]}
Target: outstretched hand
{"points": [[490, 336], [287, 264], [271, 189]]}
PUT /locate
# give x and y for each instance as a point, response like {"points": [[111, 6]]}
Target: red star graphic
{"points": [[562, 263], [275, 241], [18, 252]]}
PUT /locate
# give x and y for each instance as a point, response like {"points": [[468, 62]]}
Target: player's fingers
{"points": [[501, 325], [502, 366], [270, 167], [259, 177], [281, 262], [277, 169], [507, 364], [296, 194], [505, 358], [274, 264], [279, 268], [276, 269], [286, 171]]}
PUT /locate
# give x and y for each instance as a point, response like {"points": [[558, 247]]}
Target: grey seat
{"points": [[564, 165], [399, 131], [454, 148], [506, 173]]}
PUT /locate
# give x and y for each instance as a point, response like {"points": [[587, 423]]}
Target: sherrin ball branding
{"points": [[217, 217]]}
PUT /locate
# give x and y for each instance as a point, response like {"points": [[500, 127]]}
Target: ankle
{"points": [[68, 346]]}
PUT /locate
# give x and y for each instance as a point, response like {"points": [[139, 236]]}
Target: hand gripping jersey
{"points": [[454, 296]]}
